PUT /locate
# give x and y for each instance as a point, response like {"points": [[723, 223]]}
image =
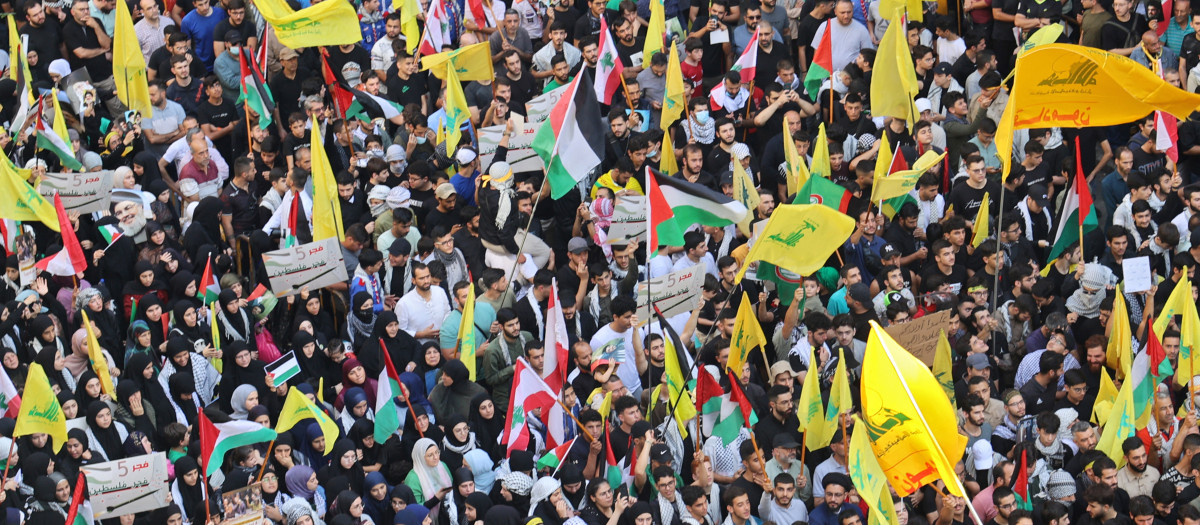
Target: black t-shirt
{"points": [[523, 90], [338, 59], [287, 92], [241, 206], [1148, 162], [160, 61], [570, 18], [956, 279], [45, 39], [478, 95], [219, 116], [586, 25], [1189, 51], [76, 36], [291, 143], [1119, 35], [805, 34], [713, 62], [405, 91], [188, 96], [224, 27]]}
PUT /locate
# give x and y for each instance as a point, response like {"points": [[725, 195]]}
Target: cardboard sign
{"points": [[81, 192], [628, 220], [520, 156], [127, 486], [674, 293], [315, 265], [920, 336]]}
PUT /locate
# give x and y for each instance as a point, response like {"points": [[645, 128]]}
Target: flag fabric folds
{"points": [[911, 423], [676, 365], [1180, 303], [217, 438], [53, 137], [840, 402], [745, 193], [70, 260], [96, 358], [820, 190], [326, 206], [554, 369], [981, 227], [822, 64], [1078, 214], [437, 29], [747, 334], [23, 202], [571, 141], [608, 66], [323, 24], [894, 81], [800, 237], [410, 10], [466, 334], [692, 203], [1119, 353], [297, 407], [674, 95], [40, 411], [797, 171], [458, 113], [656, 31], [129, 64], [387, 412], [255, 93], [868, 477], [943, 366], [530, 393], [473, 62]]}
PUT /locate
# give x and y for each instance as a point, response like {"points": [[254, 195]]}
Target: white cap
{"points": [[923, 105], [981, 454]]}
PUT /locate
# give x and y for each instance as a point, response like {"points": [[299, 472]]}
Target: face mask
{"points": [[398, 167], [376, 153], [701, 117], [421, 140]]}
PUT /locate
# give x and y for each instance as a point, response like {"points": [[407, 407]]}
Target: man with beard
{"points": [[1099, 505], [1005, 501], [468, 242], [1102, 474], [781, 419], [580, 324], [718, 160], [974, 426], [396, 279], [504, 350], [420, 312], [1138, 476], [1005, 435], [836, 488], [1160, 433], [993, 409]]}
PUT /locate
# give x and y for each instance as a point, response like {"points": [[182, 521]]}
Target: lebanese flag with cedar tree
{"points": [[70, 259], [608, 66]]}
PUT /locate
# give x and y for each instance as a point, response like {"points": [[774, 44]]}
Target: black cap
{"points": [[234, 37], [888, 251], [942, 69], [660, 453], [785, 440], [640, 428], [400, 247], [1040, 195]]}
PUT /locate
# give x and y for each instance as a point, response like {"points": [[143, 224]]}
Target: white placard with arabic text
{"points": [[316, 265], [127, 486], [674, 293]]}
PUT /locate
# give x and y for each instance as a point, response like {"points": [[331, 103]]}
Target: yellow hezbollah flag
{"points": [[1119, 355], [1104, 399], [800, 237], [1070, 86], [668, 164], [840, 403], [676, 382], [326, 207], [655, 31], [980, 228], [894, 81], [745, 193], [129, 65], [912, 8], [883, 164], [297, 407], [606, 406], [473, 62], [331, 23], [466, 333], [24, 203], [820, 154], [1121, 424], [19, 72], [797, 172], [810, 410], [96, 356], [409, 9], [868, 477], [914, 440], [896, 184], [40, 411], [747, 334], [673, 95], [1180, 303], [457, 111], [943, 366]]}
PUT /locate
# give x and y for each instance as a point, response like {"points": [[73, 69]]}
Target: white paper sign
{"points": [[520, 153], [81, 192], [1136, 271], [674, 293], [538, 109], [315, 265], [127, 486], [628, 220]]}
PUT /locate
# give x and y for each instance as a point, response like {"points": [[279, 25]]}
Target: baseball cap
{"points": [[1040, 195], [400, 247], [577, 245], [859, 292], [660, 453], [234, 37], [465, 155], [888, 251], [942, 69], [288, 53], [445, 190], [784, 440], [982, 455], [978, 362], [727, 178]]}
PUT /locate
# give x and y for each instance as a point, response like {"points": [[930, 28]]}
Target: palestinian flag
{"points": [[819, 190], [555, 456], [81, 508], [111, 233], [608, 66], [1150, 367], [708, 391], [254, 90], [1078, 213], [342, 98], [572, 145], [387, 412], [49, 140], [822, 64], [1020, 484], [289, 230], [676, 205], [747, 64], [554, 369], [208, 285], [735, 413], [218, 438], [615, 472], [70, 259], [368, 107]]}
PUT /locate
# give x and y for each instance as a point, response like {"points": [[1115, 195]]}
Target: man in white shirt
{"points": [[620, 338], [695, 251], [781, 506], [382, 54], [421, 312], [849, 37]]}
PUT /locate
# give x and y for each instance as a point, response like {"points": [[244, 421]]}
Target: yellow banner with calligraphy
{"points": [[1070, 86]]}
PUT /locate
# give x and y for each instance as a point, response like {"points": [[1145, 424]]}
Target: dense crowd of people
{"points": [[199, 184]]}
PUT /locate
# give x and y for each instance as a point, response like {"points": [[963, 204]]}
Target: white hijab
{"points": [[432, 479]]}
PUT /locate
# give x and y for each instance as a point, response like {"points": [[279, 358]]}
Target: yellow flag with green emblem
{"points": [[326, 206], [1121, 424], [810, 409], [840, 402], [943, 365], [868, 477], [981, 228], [800, 238], [457, 111], [323, 24], [466, 333], [473, 62], [1180, 303], [673, 96], [297, 407], [747, 334], [1119, 355], [22, 202], [40, 412], [129, 65], [745, 193], [797, 171], [96, 357]]}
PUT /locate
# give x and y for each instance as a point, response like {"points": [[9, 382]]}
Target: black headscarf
{"points": [[192, 333], [205, 228], [354, 475], [310, 367], [180, 384], [192, 495], [233, 376], [107, 439], [487, 431]]}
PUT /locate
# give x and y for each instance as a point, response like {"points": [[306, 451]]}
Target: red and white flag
{"points": [[748, 62], [437, 29], [608, 66], [69, 260], [1167, 138], [554, 371], [530, 393]]}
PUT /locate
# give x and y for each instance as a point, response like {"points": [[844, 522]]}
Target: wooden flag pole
{"points": [[266, 460], [411, 413]]}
